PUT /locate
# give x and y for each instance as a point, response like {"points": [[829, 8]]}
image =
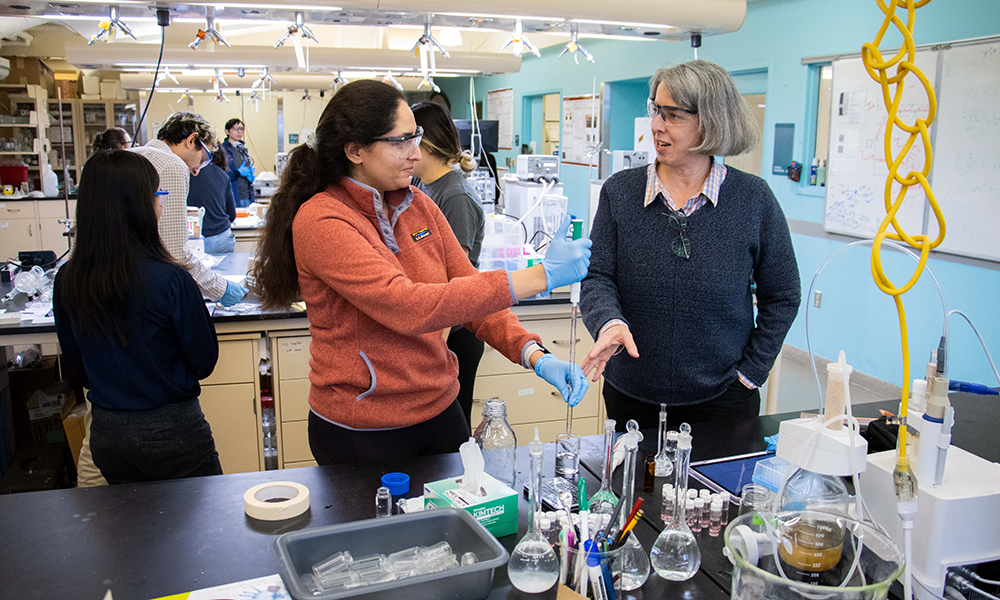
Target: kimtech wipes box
{"points": [[495, 508]]}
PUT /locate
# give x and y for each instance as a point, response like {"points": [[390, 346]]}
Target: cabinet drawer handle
{"points": [[14, 210], [564, 342], [30, 234]]}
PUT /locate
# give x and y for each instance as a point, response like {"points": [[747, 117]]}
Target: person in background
{"points": [[456, 197], [677, 246], [114, 138], [133, 328], [183, 146], [383, 277], [240, 165], [210, 189]]}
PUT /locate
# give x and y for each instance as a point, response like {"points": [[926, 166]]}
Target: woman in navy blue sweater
{"points": [[134, 329]]}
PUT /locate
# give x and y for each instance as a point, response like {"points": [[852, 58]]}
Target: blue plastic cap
{"points": [[593, 560], [398, 483]]}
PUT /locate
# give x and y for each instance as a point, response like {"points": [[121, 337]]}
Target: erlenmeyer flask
{"points": [[533, 566], [675, 555], [603, 501]]}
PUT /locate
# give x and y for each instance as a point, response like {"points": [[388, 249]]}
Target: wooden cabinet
{"points": [[291, 397], [230, 399]]}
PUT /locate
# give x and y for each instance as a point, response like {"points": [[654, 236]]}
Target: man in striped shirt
{"points": [[183, 146]]}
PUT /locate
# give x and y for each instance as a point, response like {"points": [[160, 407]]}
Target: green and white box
{"points": [[495, 509]]}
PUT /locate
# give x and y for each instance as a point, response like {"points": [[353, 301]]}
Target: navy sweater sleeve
{"points": [[67, 340], [230, 203], [779, 289], [193, 326]]}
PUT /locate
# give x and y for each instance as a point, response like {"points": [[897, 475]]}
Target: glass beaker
{"points": [[567, 456], [603, 502], [533, 566], [497, 441], [868, 562], [675, 555]]}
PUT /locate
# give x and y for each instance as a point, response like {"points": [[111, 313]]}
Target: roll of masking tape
{"points": [[276, 501]]}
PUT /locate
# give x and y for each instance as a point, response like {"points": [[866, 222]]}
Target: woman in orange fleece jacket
{"points": [[383, 277]]}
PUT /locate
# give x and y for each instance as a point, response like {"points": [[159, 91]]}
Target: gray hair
{"points": [[725, 122]]}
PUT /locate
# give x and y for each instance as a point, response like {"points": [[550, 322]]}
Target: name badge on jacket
{"points": [[419, 235]]}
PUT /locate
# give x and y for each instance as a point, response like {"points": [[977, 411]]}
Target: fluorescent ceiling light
{"points": [[269, 6], [87, 18], [509, 17], [623, 24]]}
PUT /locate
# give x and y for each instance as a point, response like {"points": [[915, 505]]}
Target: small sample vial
{"points": [[715, 518], [724, 496], [692, 493], [648, 473], [469, 558], [667, 506], [383, 502], [705, 495], [706, 509], [693, 510]]}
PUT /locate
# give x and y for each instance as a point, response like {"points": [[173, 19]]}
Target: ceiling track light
{"points": [[299, 25], [518, 42], [108, 27], [209, 32], [575, 46]]}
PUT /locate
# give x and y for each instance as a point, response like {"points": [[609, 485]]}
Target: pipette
{"points": [[574, 311]]}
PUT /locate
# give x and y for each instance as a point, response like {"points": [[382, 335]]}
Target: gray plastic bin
{"points": [[299, 550]]}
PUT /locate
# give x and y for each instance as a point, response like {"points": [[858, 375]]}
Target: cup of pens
{"points": [[594, 571]]}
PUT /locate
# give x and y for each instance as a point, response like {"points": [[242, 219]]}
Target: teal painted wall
{"points": [[775, 36], [628, 101]]}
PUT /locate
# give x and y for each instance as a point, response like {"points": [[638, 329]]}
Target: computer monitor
{"points": [[490, 131]]}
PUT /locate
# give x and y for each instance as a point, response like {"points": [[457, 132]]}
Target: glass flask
{"points": [[675, 555], [634, 560], [664, 454], [813, 544], [497, 441], [533, 566], [603, 502]]}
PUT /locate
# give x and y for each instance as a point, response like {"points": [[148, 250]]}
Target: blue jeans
{"points": [[221, 243], [169, 442]]}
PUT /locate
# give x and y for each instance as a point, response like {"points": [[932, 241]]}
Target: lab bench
{"points": [[230, 396]]}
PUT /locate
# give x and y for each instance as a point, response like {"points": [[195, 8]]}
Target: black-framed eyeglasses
{"points": [[404, 144], [680, 245], [671, 115]]}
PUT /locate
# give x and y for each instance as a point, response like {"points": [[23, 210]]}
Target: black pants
{"points": [[332, 444], [735, 404], [469, 350]]}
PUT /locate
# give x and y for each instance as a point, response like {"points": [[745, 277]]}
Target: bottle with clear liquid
{"points": [[533, 566], [497, 441], [675, 555], [603, 502], [634, 560], [664, 456]]}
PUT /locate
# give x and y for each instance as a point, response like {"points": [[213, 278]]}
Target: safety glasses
{"points": [[161, 197], [403, 145], [206, 155], [671, 115]]}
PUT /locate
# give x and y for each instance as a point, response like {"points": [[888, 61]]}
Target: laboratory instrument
{"points": [[675, 555], [866, 567], [634, 560], [497, 441], [538, 167], [533, 566], [664, 453], [603, 502]]}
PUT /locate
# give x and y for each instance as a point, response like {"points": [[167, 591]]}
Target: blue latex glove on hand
{"points": [[234, 293], [568, 378], [566, 262]]}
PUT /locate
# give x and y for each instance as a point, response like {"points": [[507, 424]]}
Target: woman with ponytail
{"points": [[440, 154], [383, 277]]}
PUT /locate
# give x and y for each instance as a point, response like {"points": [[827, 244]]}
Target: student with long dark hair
{"points": [[134, 329], [441, 156], [383, 276]]}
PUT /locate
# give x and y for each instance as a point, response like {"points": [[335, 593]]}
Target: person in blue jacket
{"points": [[240, 166], [134, 329], [210, 190]]}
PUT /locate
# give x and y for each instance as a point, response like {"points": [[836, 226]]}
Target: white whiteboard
{"points": [[965, 139], [856, 171], [966, 176]]}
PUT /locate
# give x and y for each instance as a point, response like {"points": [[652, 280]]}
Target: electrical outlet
{"points": [[817, 298]]}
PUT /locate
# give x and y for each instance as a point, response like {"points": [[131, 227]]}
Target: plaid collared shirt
{"points": [[175, 178], [709, 193]]}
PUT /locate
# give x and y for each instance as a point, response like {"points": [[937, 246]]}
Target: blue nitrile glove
{"points": [[772, 443], [246, 170], [565, 262], [564, 376], [234, 293]]}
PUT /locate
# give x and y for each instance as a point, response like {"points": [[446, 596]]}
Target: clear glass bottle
{"points": [[634, 560], [533, 566], [603, 502], [664, 455], [268, 427], [497, 441], [675, 555], [383, 502]]}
